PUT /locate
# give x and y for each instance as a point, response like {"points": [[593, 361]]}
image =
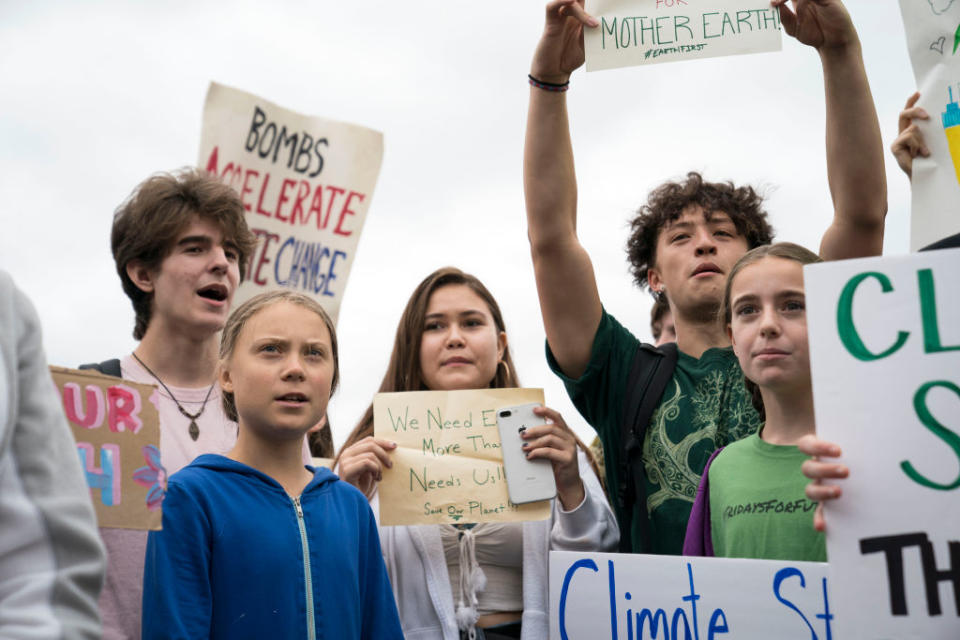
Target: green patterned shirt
{"points": [[704, 407]]}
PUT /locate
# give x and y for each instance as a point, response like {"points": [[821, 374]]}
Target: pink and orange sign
{"points": [[117, 429]]}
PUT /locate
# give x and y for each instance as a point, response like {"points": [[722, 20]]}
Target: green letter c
{"points": [[848, 332]]}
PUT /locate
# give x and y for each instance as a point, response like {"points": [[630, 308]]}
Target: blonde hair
{"points": [[239, 317]]}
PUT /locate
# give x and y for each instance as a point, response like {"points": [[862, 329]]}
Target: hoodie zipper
{"points": [[311, 629]]}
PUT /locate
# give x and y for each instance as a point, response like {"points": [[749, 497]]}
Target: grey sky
{"points": [[98, 95]]}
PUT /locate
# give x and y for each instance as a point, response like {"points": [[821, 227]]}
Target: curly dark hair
{"points": [[667, 202]]}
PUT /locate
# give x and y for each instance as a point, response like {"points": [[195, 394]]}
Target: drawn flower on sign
{"points": [[153, 476], [940, 6]]}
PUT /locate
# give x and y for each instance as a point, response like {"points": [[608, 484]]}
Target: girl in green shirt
{"points": [[751, 501]]}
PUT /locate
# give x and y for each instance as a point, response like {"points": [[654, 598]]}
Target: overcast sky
{"points": [[96, 96]]}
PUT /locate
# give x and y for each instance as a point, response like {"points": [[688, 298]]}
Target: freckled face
{"points": [[461, 345], [768, 327], [281, 371]]}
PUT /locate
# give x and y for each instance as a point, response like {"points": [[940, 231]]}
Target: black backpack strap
{"points": [[651, 370], [107, 367]]}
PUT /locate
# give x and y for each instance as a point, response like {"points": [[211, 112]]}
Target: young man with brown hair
{"points": [[181, 246], [684, 242]]}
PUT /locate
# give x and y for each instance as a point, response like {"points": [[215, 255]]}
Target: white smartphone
{"points": [[527, 480]]}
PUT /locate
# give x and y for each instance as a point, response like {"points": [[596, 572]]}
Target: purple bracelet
{"points": [[547, 86]]}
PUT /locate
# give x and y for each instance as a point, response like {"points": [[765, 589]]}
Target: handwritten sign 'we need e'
{"points": [[306, 185], [447, 467], [637, 32], [117, 429], [885, 362], [597, 596]]}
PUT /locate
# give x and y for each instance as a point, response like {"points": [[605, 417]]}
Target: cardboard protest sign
{"points": [[637, 32], [117, 429], [885, 361], [933, 38], [632, 596], [447, 467], [306, 184]]}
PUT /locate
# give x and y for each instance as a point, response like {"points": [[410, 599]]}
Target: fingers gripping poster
{"points": [[117, 429], [306, 185], [933, 38], [448, 467]]}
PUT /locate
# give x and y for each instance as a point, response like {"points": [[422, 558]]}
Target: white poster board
{"points": [[596, 596], [933, 38], [306, 184], [638, 32], [885, 360]]}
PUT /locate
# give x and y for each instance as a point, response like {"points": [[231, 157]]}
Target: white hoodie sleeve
{"points": [[51, 558]]}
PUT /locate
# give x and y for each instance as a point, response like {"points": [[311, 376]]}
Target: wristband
{"points": [[547, 86]]}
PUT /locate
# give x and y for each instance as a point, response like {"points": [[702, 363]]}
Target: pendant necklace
{"points": [[194, 430]]}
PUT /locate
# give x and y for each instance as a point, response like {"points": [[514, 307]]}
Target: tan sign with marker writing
{"points": [[117, 429], [448, 467]]}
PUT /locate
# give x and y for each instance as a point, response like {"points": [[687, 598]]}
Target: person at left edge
{"points": [[51, 560], [255, 544]]}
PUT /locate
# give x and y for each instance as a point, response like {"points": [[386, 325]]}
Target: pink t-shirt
{"points": [[121, 599]]}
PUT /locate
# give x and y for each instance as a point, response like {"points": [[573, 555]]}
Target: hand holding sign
{"points": [[909, 143], [362, 463], [818, 471], [556, 443], [821, 24], [560, 50]]}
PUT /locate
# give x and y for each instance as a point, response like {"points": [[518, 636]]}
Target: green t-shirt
{"points": [[757, 505], [705, 407]]}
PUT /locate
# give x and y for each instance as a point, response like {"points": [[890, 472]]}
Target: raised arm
{"points": [[855, 170], [569, 300]]}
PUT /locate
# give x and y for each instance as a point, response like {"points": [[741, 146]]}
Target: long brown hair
{"points": [[784, 250], [403, 371]]}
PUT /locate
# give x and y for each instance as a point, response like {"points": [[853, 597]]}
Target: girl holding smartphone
{"points": [[489, 580]]}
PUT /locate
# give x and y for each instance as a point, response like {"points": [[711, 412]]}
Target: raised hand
{"points": [[361, 464], [555, 442], [818, 471], [910, 143], [560, 50], [821, 24]]}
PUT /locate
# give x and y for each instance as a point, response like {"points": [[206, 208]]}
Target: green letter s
{"points": [[945, 434]]}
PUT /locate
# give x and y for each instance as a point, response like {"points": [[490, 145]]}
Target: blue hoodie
{"points": [[230, 560]]}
